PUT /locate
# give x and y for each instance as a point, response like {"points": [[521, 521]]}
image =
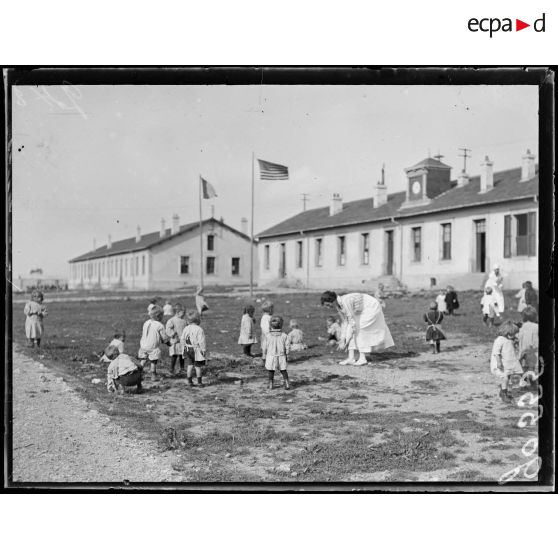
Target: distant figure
{"points": [[531, 297], [122, 371], [434, 333], [520, 295], [296, 337], [118, 342], [528, 346], [168, 309], [380, 295], [504, 362], [153, 334], [333, 331], [489, 307], [247, 335], [496, 282], [201, 305], [267, 309], [174, 328], [452, 303], [35, 312], [275, 350], [441, 302], [195, 347], [152, 303]]}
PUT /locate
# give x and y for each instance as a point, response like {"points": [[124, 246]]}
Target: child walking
{"points": [[118, 342], [174, 328], [35, 312], [275, 350], [123, 370], [333, 331], [504, 362], [267, 309], [452, 303], [489, 306], [296, 337], [528, 338], [247, 327], [434, 333], [195, 350], [153, 334]]}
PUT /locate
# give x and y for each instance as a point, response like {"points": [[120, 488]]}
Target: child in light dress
{"points": [[504, 362], [174, 328], [195, 348], [441, 302], [489, 307], [118, 342], [333, 331], [267, 309], [35, 312], [168, 309], [247, 335], [434, 333], [528, 346], [201, 304], [123, 370], [520, 295], [296, 337], [153, 335], [275, 350]]}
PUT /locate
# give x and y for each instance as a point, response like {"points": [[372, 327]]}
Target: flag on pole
{"points": [[207, 189], [273, 171]]}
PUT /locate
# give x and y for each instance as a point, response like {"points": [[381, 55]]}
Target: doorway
{"points": [[282, 260], [389, 252], [480, 245]]}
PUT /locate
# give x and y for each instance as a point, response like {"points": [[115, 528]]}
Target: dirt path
{"points": [[58, 437]]}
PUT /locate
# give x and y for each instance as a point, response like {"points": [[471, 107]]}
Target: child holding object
{"points": [[122, 371], [247, 326], [434, 333], [489, 306], [528, 338], [118, 342], [195, 349], [296, 337], [174, 328], [504, 362], [153, 334], [35, 312], [275, 350]]}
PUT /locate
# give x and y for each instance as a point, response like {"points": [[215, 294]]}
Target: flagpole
{"points": [[201, 235], [252, 235]]}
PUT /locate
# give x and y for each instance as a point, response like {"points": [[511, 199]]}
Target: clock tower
{"points": [[426, 180]]}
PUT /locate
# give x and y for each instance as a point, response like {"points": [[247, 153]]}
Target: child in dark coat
{"points": [[434, 333], [452, 303]]}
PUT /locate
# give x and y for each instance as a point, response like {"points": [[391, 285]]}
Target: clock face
{"points": [[415, 188]]}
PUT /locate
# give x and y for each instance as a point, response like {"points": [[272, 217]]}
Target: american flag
{"points": [[273, 171], [208, 190]]}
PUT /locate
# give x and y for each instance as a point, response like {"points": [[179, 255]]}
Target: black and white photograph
{"points": [[280, 278]]}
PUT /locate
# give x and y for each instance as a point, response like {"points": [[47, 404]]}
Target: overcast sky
{"points": [[97, 160]]}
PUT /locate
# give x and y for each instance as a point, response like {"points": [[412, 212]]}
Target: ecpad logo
{"points": [[494, 24]]}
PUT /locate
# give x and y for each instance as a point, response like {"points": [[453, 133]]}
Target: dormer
{"points": [[426, 180]]}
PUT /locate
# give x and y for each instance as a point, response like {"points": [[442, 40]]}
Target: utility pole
{"points": [[304, 198], [465, 157], [439, 156]]}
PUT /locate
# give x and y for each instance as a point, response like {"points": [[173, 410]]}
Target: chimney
{"points": [[380, 193], [175, 224], [244, 225], [487, 175], [109, 242], [138, 234], [527, 166], [163, 231], [462, 179], [336, 205]]}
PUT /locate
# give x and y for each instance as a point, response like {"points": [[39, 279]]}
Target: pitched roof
{"points": [[148, 240], [507, 187], [430, 163]]}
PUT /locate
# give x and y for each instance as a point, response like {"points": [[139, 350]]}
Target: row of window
{"points": [[115, 268], [210, 267]]}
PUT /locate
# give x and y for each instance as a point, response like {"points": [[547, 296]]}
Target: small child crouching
{"points": [[174, 328], [195, 350], [275, 350], [296, 337], [333, 331], [153, 334], [201, 304], [504, 362], [528, 338], [118, 342], [247, 335], [123, 370]]}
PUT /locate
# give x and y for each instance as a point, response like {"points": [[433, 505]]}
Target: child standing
{"points": [[504, 361], [195, 350], [531, 298], [521, 296], [247, 326], [35, 312], [174, 328], [275, 350], [296, 337], [489, 307], [529, 344], [434, 334], [380, 295], [452, 303], [168, 309], [153, 334], [267, 309], [118, 342], [333, 331], [122, 371], [152, 303], [441, 302]]}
